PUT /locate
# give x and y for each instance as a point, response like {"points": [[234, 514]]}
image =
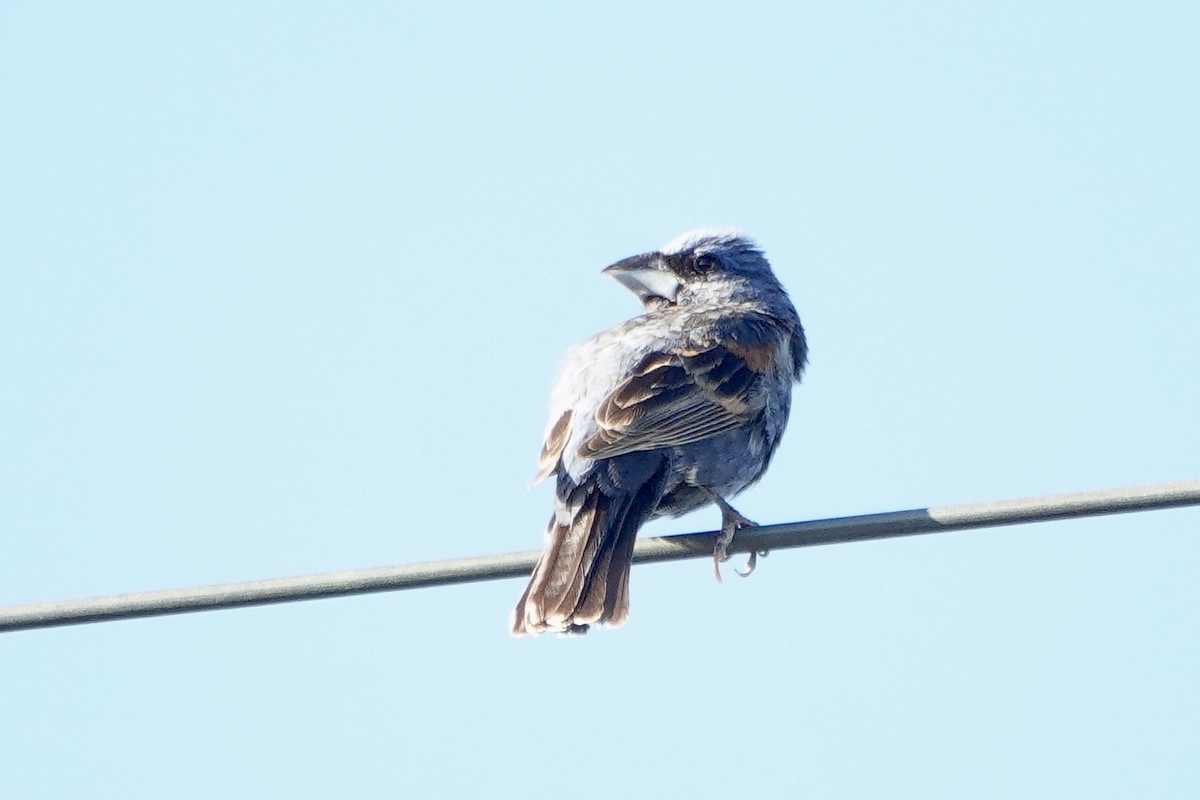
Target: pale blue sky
{"points": [[283, 288]]}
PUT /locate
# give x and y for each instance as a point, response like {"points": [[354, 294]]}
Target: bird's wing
{"points": [[674, 398], [552, 448]]}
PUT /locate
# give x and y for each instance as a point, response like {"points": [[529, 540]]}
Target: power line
{"points": [[669, 548]]}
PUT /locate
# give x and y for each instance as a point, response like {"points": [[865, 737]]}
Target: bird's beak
{"points": [[646, 276]]}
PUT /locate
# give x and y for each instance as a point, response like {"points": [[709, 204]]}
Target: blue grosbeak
{"points": [[675, 409]]}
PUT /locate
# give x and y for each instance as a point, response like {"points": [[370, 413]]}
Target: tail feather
{"points": [[593, 600], [570, 592], [582, 577], [616, 606]]}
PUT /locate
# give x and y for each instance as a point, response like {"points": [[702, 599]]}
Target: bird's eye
{"points": [[705, 263]]}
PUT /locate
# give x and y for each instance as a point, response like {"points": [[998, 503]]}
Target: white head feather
{"points": [[706, 237]]}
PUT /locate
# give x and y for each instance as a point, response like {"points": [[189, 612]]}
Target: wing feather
{"points": [[552, 449], [673, 399]]}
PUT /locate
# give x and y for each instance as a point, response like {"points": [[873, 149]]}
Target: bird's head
{"points": [[710, 265]]}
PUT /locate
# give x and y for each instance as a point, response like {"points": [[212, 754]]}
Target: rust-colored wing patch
{"points": [[672, 399], [552, 448]]}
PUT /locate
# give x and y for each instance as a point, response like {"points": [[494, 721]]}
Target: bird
{"points": [[676, 409]]}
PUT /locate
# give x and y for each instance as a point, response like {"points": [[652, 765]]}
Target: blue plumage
{"points": [[675, 409]]}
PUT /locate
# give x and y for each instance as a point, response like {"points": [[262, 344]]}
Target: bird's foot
{"points": [[731, 521]]}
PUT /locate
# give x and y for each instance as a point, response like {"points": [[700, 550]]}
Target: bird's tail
{"points": [[582, 577]]}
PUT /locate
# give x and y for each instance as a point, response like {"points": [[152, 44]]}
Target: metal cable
{"points": [[669, 548]]}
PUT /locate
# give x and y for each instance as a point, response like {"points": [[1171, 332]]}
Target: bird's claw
{"points": [[731, 521], [752, 562], [720, 555]]}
